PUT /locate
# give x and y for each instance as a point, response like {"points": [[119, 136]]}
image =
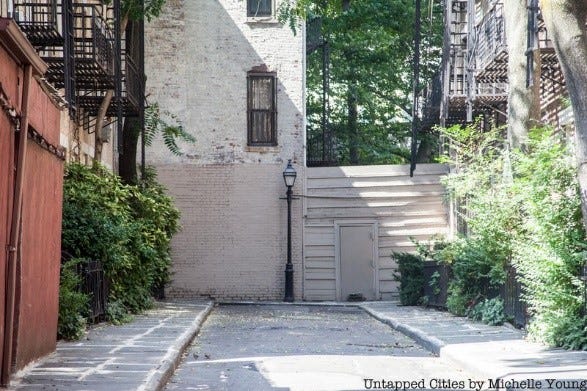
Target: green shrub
{"points": [[128, 228], [489, 311], [411, 278], [457, 302], [521, 208], [73, 304], [552, 252], [117, 313]]}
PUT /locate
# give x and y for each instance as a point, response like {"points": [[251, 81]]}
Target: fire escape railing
{"points": [[40, 21], [77, 41], [93, 49], [491, 40]]}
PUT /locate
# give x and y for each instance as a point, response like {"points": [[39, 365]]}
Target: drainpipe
{"points": [[13, 244]]}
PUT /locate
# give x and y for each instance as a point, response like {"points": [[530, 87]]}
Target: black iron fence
{"points": [[437, 278], [94, 284], [511, 294]]}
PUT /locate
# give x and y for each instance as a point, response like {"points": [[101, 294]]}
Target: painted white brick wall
{"points": [[233, 242]]}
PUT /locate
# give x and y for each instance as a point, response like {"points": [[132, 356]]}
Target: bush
{"points": [[521, 208], [411, 278], [73, 304], [489, 311], [128, 228], [552, 252]]}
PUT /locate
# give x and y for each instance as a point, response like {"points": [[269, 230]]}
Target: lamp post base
{"points": [[289, 291]]}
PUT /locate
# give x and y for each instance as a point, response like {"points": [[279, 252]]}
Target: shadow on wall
{"points": [[198, 56]]}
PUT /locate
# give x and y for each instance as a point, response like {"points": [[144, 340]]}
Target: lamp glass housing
{"points": [[289, 175]]}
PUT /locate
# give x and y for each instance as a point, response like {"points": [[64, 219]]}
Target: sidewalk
{"points": [[140, 355], [488, 352]]}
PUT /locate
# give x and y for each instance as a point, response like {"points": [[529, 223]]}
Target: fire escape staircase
{"points": [[475, 75], [76, 39]]}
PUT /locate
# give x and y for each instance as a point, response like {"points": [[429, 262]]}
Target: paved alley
{"points": [[271, 347]]}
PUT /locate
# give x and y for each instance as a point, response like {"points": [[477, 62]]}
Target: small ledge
{"points": [[262, 149], [262, 20]]}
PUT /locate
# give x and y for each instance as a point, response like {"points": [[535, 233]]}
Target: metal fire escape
{"points": [[85, 54], [475, 63]]}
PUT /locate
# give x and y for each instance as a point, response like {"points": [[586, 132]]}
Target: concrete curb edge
{"points": [[427, 341], [157, 379]]}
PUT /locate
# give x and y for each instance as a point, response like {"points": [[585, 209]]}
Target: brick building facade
{"points": [[234, 78]]}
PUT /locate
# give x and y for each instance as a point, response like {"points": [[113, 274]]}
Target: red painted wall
{"points": [[41, 255], [6, 154], [37, 295]]}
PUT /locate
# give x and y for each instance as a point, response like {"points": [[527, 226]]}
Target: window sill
{"points": [[262, 149], [262, 20]]}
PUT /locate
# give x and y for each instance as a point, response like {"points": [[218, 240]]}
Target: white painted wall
{"points": [[233, 242]]}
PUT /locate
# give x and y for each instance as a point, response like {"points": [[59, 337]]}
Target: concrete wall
{"points": [[401, 207], [233, 242]]}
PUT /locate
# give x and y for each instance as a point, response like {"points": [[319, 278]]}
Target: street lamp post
{"points": [[289, 176]]}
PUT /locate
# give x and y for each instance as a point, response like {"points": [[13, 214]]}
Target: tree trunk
{"points": [[523, 101], [98, 141], [128, 159], [565, 22]]}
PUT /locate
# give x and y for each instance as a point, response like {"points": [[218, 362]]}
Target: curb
{"points": [[158, 378], [427, 341]]}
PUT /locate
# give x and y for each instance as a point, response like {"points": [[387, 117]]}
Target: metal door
{"points": [[357, 263]]}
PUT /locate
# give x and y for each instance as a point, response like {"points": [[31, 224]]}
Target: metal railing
{"points": [[134, 80], [490, 36], [93, 39], [95, 286], [93, 283], [40, 20]]}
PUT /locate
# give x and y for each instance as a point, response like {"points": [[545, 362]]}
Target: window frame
{"points": [[251, 75], [270, 15]]}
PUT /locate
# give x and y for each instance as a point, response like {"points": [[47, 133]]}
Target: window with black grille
{"points": [[258, 8], [262, 109]]}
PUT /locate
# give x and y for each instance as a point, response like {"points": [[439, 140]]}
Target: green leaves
{"points": [[171, 133], [129, 228], [411, 278], [370, 63], [523, 208]]}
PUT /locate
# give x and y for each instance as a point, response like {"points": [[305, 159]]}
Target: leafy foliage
{"points": [[523, 209], [370, 53], [155, 124], [489, 311], [411, 278], [73, 304], [551, 251], [128, 228]]}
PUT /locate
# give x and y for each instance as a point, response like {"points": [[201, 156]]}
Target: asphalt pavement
{"points": [[303, 346]]}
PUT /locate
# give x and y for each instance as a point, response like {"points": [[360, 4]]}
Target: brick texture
{"points": [[233, 241]]}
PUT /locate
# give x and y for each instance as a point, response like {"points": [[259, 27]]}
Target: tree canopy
{"points": [[370, 45]]}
